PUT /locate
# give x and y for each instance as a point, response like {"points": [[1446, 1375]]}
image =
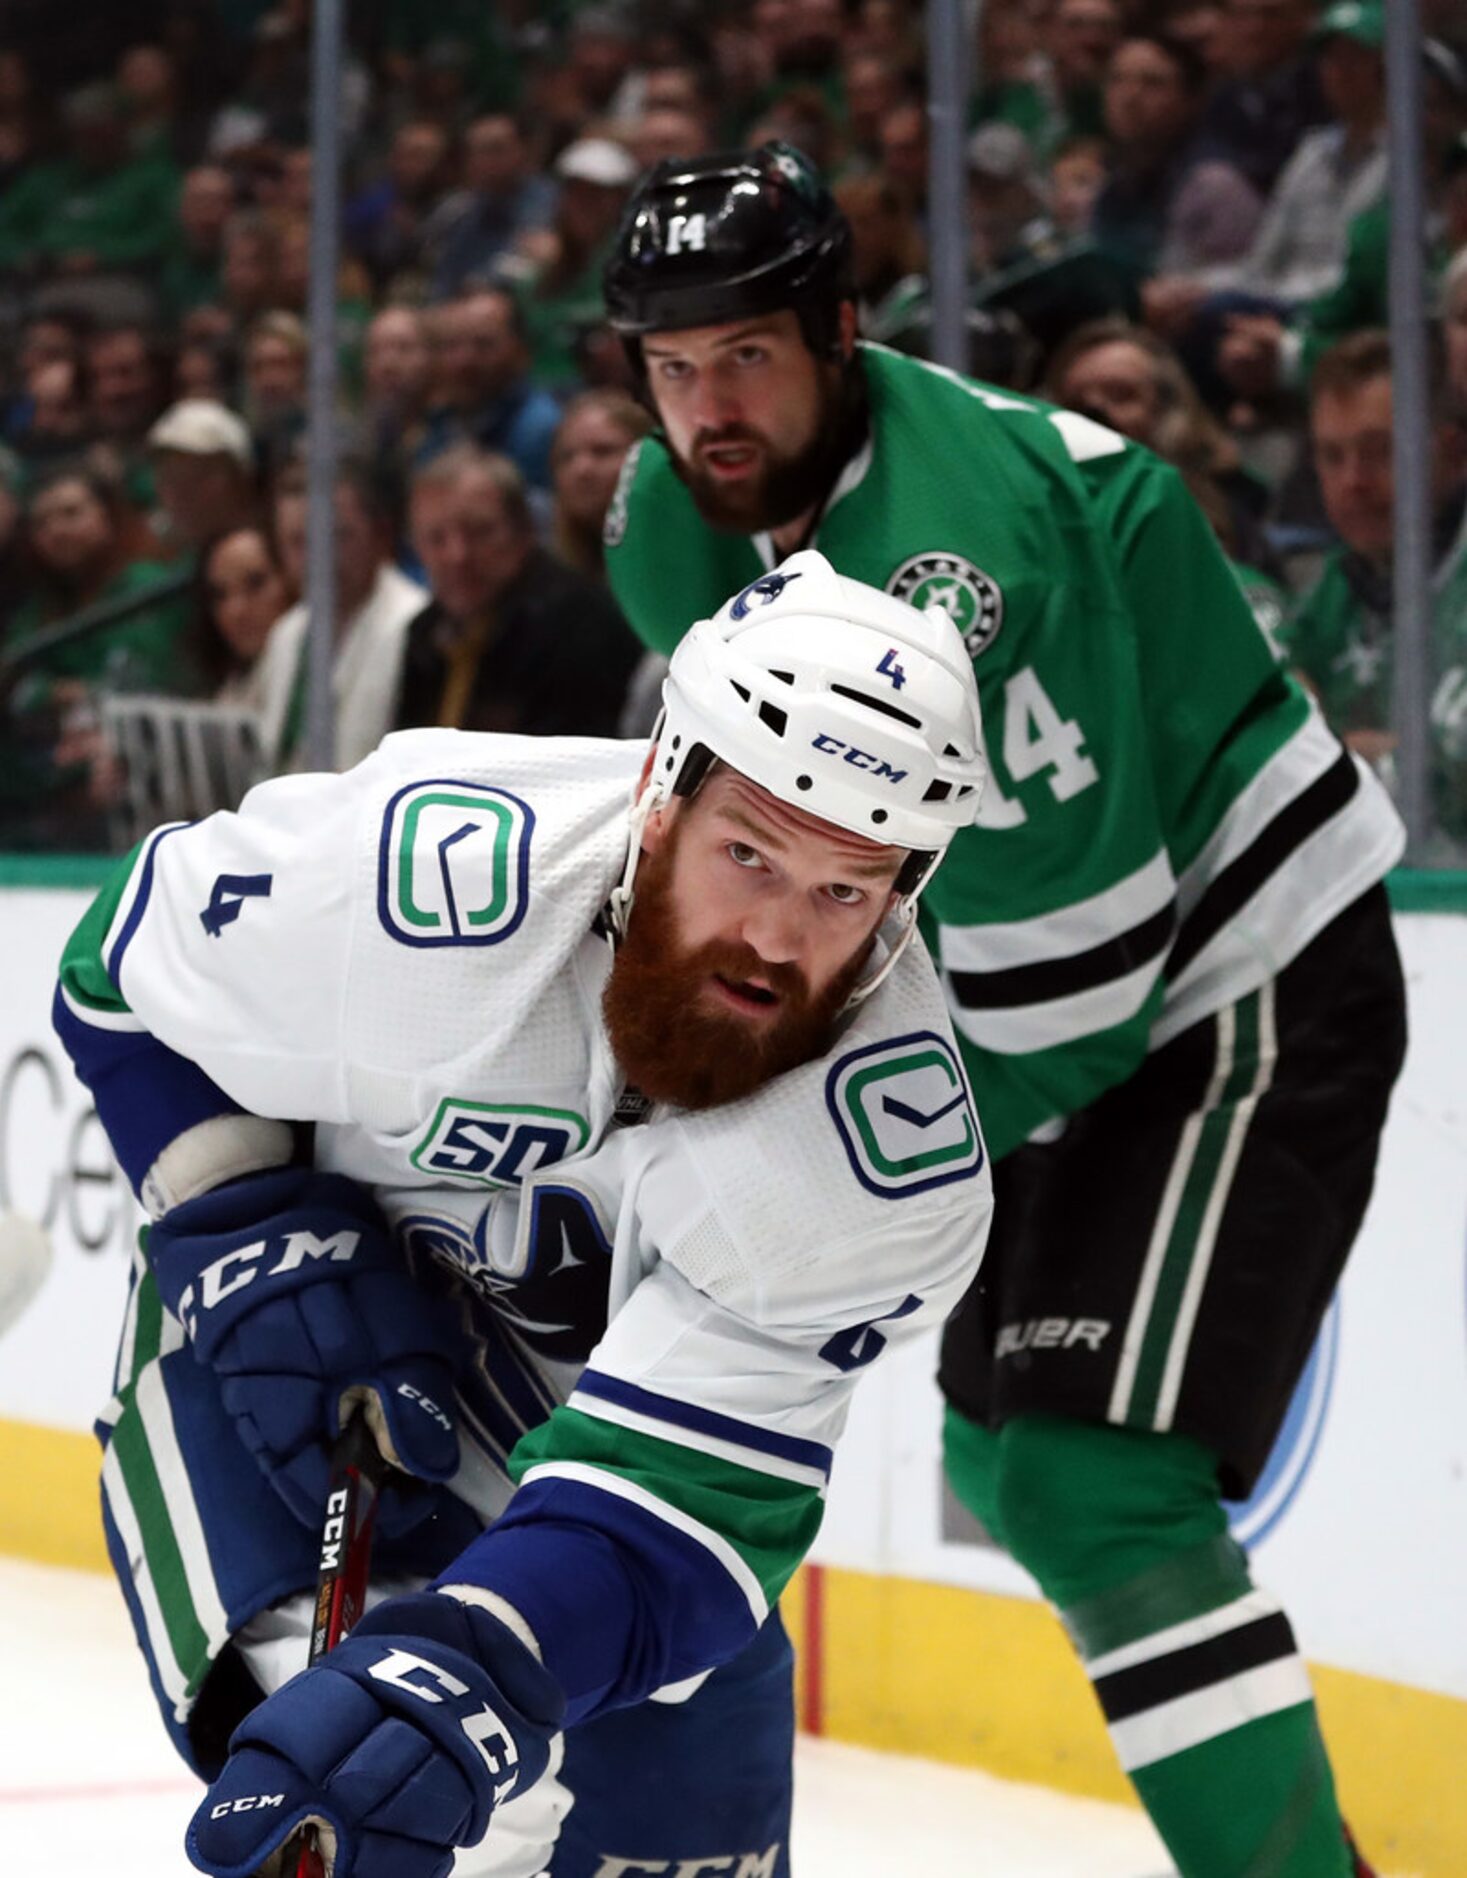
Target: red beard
{"points": [[671, 1042]]}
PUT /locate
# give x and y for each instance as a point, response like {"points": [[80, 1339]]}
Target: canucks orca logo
{"points": [[452, 1242], [454, 864], [761, 592], [1253, 1519]]}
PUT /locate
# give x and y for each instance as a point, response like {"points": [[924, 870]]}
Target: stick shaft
{"points": [[357, 1468]]}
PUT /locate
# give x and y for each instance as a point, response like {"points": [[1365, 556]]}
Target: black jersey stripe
{"points": [[1127, 1692], [1230, 891], [1048, 979]]}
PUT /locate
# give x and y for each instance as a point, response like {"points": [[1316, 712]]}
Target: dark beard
{"points": [[667, 1040], [788, 485]]}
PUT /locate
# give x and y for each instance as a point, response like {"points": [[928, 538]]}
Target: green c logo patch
{"points": [[904, 1115]]}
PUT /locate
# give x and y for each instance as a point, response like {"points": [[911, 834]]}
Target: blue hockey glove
{"points": [[401, 1742], [290, 1288]]}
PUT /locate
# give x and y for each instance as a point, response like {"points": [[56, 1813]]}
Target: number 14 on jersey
{"points": [[1036, 741]]}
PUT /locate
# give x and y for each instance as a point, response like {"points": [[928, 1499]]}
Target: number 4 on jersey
{"points": [[1036, 739]]}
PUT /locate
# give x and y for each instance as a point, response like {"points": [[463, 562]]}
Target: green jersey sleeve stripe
{"points": [[85, 983], [758, 1525]]}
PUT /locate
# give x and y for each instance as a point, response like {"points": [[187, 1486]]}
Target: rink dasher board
{"points": [[1367, 1537]]}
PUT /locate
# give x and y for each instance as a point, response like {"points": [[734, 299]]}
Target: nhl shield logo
{"points": [[972, 599]]}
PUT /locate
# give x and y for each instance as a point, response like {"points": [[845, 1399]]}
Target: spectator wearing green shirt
{"points": [[1261, 355], [190, 275], [81, 533], [97, 209], [874, 86], [55, 777], [125, 391], [1341, 636], [147, 80], [1079, 38]]}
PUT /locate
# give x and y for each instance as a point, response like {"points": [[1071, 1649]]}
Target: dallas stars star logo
{"points": [[1362, 661], [972, 599]]}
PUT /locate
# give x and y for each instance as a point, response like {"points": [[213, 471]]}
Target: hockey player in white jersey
{"points": [[599, 1151]]}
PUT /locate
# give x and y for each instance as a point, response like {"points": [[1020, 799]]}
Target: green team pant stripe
{"points": [[1187, 1224], [171, 1678], [144, 1490], [769, 1522]]}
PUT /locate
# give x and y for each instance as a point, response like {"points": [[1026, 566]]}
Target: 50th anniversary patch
{"points": [[454, 864], [904, 1115]]}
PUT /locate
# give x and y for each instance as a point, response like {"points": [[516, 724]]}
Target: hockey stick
{"points": [[25, 1262], [357, 1473]]}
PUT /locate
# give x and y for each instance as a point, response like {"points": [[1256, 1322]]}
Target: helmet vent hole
{"points": [[742, 690], [803, 782], [879, 704], [950, 749], [878, 815], [964, 789], [677, 743], [785, 678], [776, 719], [937, 792]]}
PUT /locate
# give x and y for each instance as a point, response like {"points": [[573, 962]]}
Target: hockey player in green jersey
{"points": [[1165, 945]]}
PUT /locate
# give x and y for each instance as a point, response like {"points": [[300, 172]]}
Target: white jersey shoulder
{"points": [[858, 1180], [341, 940]]}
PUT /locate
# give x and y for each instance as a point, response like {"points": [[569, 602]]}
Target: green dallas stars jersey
{"points": [[1168, 821]]}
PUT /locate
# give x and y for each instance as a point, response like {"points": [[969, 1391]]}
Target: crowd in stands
{"points": [[1179, 224]]}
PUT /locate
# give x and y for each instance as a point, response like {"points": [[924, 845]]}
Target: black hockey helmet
{"points": [[726, 236]]}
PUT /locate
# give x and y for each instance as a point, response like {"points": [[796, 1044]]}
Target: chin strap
{"points": [[895, 937], [901, 927], [619, 900]]}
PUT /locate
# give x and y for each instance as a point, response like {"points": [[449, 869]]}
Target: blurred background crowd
{"points": [[1179, 223]]}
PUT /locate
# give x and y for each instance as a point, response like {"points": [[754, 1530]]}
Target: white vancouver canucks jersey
{"points": [[409, 957]]}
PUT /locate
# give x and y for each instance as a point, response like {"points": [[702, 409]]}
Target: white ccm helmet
{"points": [[836, 698]]}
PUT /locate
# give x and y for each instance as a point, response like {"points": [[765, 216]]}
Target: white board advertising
{"points": [[56, 1167]]}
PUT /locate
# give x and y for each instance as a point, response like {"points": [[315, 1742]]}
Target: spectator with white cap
{"points": [[204, 469], [561, 298]]}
